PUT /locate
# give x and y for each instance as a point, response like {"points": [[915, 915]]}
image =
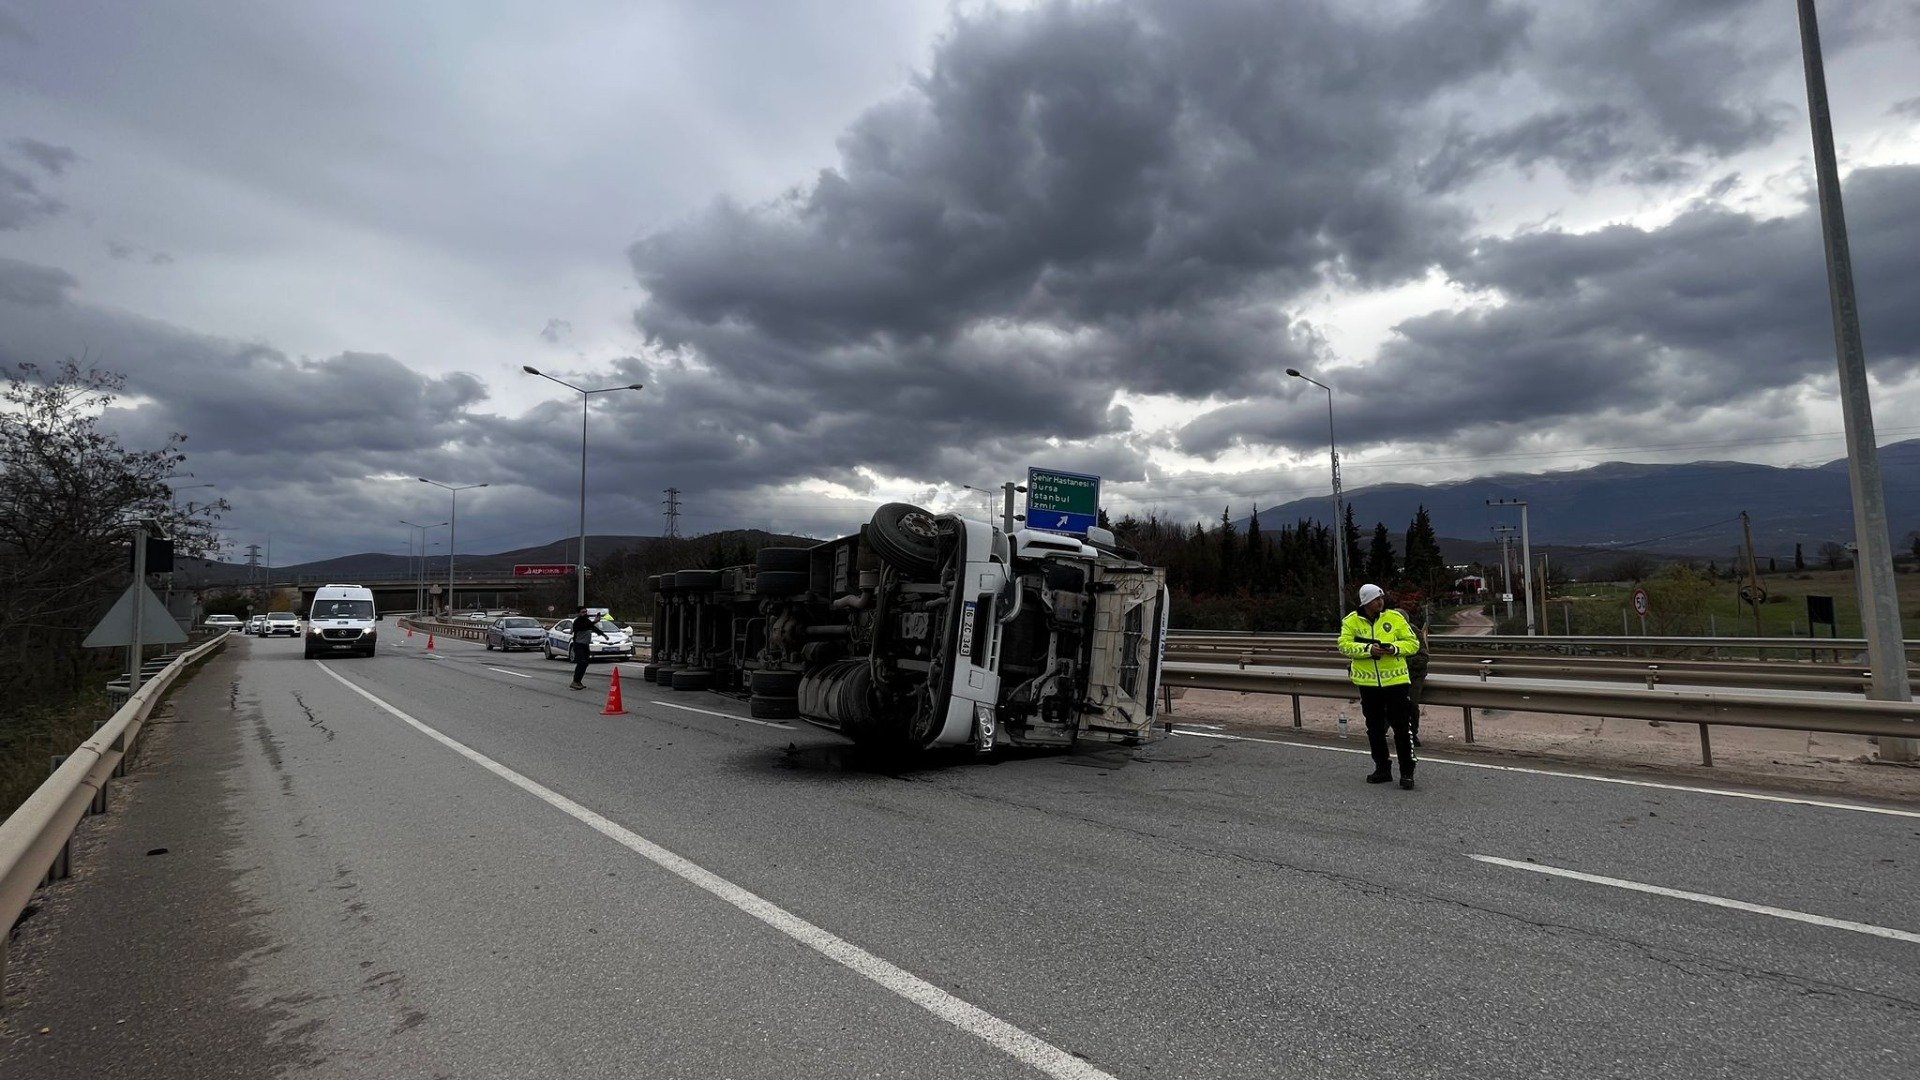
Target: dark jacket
{"points": [[584, 627]]}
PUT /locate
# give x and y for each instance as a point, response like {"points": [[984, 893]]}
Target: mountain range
{"points": [[1690, 509]]}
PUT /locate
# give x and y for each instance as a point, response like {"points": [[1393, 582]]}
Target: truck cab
{"points": [[927, 630]]}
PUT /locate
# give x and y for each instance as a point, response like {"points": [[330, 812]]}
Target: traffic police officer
{"points": [[1378, 639]]}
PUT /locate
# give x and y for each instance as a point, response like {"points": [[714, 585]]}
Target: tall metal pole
{"points": [[1339, 512], [1526, 564], [453, 524], [139, 608], [580, 568], [1886, 652]]}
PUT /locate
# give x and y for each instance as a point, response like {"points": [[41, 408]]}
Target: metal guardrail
{"points": [[1578, 641], [1790, 710], [33, 839]]}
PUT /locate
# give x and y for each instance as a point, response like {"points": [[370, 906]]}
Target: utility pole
{"points": [[1505, 533], [1007, 516], [139, 615], [672, 503], [1526, 555], [1752, 593], [1886, 649]]}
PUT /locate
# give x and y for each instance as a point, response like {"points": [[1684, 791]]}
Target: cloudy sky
{"points": [[872, 249]]}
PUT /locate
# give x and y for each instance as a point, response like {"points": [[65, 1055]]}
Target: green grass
{"points": [[1597, 606], [30, 735]]}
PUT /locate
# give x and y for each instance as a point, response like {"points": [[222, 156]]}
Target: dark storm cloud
{"points": [[29, 285], [54, 159], [21, 200], [1077, 199], [1717, 309], [1910, 108]]}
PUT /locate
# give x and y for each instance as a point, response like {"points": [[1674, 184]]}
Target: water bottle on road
{"points": [[1343, 721]]}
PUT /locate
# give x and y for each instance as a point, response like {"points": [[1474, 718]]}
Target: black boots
{"points": [[1380, 776]]}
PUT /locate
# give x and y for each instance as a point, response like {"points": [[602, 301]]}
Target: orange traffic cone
{"points": [[430, 647], [614, 707], [409, 632]]}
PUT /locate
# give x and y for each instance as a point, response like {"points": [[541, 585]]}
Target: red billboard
{"points": [[543, 570]]}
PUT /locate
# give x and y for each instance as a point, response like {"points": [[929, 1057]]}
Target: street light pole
{"points": [[1526, 556], [453, 528], [420, 575], [1873, 570], [586, 395], [1339, 510]]}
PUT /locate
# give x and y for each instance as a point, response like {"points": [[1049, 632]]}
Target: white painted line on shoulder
{"points": [[504, 671], [1729, 793], [1017, 1042], [1704, 898], [726, 715]]}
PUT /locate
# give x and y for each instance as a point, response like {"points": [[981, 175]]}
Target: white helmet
{"points": [[1370, 593]]}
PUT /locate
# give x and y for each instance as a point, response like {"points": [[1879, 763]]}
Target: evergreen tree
{"points": [[1229, 553], [1256, 558], [1424, 566], [1799, 558], [1356, 562], [1380, 559]]}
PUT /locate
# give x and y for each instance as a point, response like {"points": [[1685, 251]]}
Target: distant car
{"points": [[257, 626], [223, 622], [613, 642], [479, 616], [281, 622], [515, 632]]}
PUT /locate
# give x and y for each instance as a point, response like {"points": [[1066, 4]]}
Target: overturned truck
{"points": [[925, 631]]}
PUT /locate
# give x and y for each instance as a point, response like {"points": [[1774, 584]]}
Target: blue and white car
{"points": [[612, 641]]}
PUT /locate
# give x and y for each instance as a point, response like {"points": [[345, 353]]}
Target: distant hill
{"points": [[1690, 509], [373, 564]]}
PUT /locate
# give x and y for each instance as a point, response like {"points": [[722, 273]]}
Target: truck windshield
{"points": [[343, 609]]}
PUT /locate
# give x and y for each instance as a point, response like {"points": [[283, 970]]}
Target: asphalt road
{"points": [[454, 866]]}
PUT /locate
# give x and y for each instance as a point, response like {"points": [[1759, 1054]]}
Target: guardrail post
{"points": [[62, 863], [1296, 710], [1466, 716], [1706, 746]]}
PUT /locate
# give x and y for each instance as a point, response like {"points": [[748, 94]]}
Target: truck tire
{"points": [[773, 708], [693, 679], [781, 583], [310, 653], [907, 537], [696, 580], [798, 560], [774, 683], [651, 673]]}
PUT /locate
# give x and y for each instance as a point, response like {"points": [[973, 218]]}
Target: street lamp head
{"points": [[1295, 372], [483, 485], [529, 369], [423, 479], [638, 386]]}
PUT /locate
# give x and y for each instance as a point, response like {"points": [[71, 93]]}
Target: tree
{"points": [[1380, 559], [1229, 553], [1424, 566], [1678, 597], [1355, 560], [1834, 555], [1256, 555], [72, 493], [1799, 558], [1772, 567]]}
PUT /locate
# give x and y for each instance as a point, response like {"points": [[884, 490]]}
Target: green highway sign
{"points": [[1062, 502]]}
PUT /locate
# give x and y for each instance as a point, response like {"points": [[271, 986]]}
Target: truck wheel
{"points": [[651, 672], [310, 652], [774, 683], [696, 580], [906, 536], [773, 708], [780, 583], [793, 560], [692, 679]]}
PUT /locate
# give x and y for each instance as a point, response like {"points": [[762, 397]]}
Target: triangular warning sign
{"points": [[157, 627]]}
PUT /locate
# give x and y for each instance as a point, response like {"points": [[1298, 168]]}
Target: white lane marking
{"points": [[973, 1020], [504, 671], [726, 715], [1622, 781], [1705, 898]]}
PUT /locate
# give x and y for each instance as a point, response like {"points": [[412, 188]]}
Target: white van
{"points": [[342, 621]]}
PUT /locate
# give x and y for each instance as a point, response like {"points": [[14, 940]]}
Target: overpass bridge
{"points": [[471, 589]]}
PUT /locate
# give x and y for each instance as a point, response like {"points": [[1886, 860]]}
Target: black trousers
{"points": [[1388, 707], [580, 655], [1413, 713]]}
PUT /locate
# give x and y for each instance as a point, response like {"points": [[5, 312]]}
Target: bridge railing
{"points": [[34, 838]]}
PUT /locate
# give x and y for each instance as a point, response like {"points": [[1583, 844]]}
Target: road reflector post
{"points": [[1466, 717], [1296, 710], [1706, 747]]}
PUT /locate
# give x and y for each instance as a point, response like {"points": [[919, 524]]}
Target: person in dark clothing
{"points": [[1378, 640], [584, 627], [1416, 666]]}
